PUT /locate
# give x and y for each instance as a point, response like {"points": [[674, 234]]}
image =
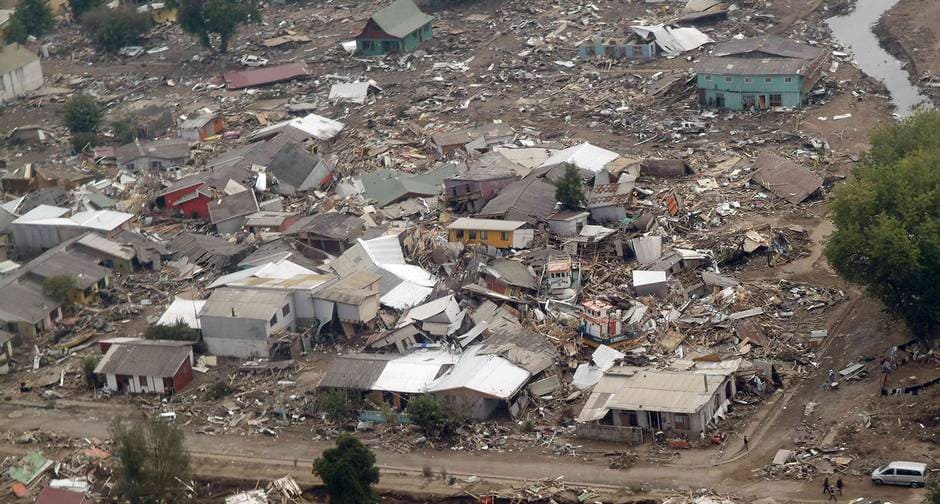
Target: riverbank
{"points": [[909, 31]]}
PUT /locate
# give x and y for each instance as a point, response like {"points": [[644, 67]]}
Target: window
{"points": [[504, 236], [708, 77], [728, 78], [274, 320], [748, 80], [460, 233], [286, 310], [768, 80], [788, 79], [143, 381], [776, 100], [473, 234], [483, 235]]}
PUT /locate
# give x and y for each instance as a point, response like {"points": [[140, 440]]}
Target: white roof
{"points": [[529, 157], [183, 310], [355, 92], [103, 220], [584, 156], [282, 269], [405, 295], [12, 205], [674, 40], [486, 224], [319, 127], [446, 304], [413, 373], [42, 213], [489, 375], [648, 277]]}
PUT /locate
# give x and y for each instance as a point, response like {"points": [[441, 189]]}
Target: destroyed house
{"points": [[207, 251], [229, 213], [271, 221], [153, 121], [759, 73], [683, 402], [399, 27], [785, 178], [508, 277], [294, 170], [630, 48], [531, 199], [200, 128], [331, 232], [501, 234], [45, 227], [470, 140], [353, 300], [242, 322], [471, 188], [147, 366], [156, 155], [240, 79], [385, 187], [25, 307]]}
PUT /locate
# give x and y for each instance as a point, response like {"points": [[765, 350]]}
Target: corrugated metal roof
{"points": [[415, 372], [252, 304], [355, 371], [785, 178], [182, 310], [583, 156], [154, 360], [14, 56], [489, 375], [263, 76], [771, 45], [235, 205], [400, 18], [638, 389], [530, 199]]}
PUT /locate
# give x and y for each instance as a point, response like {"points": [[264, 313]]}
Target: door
{"points": [[763, 102], [720, 100], [655, 422], [889, 477]]}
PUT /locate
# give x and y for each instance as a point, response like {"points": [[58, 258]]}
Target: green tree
{"points": [[83, 139], [80, 7], [15, 31], [153, 459], [58, 287], [176, 332], [335, 405], [568, 189], [125, 130], [89, 363], [205, 18], [348, 471], [112, 29], [82, 114], [428, 413], [33, 17], [887, 221], [933, 493]]}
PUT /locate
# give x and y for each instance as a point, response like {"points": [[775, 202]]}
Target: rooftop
{"points": [[401, 18], [253, 304], [155, 359], [486, 224]]}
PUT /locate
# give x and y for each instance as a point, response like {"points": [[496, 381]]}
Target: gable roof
{"points": [[334, 225], [512, 273], [385, 187], [293, 164], [168, 148], [584, 157], [785, 178], [155, 358], [254, 304], [531, 199], [770, 45], [401, 18], [231, 206], [767, 55], [486, 224], [355, 371]]}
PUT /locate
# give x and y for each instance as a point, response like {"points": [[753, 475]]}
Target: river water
{"points": [[854, 31]]}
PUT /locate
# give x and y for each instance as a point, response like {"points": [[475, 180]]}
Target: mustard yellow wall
{"points": [[493, 238], [164, 15]]}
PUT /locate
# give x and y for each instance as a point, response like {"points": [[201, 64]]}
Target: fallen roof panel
{"points": [[264, 76]]}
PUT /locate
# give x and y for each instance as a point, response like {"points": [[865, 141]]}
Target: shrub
{"points": [[112, 29]]}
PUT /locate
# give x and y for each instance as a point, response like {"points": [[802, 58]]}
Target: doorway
{"points": [[655, 421]]}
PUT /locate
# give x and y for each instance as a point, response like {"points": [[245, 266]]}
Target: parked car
{"points": [[250, 60], [912, 474]]}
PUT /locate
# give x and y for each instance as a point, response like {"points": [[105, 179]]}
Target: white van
{"points": [[912, 474]]}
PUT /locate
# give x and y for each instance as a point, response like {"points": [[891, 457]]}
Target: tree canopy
{"points": [[348, 471], [887, 221], [31, 17], [80, 7], [58, 287], [432, 416], [112, 29], [568, 189], [205, 18], [82, 114], [152, 458]]}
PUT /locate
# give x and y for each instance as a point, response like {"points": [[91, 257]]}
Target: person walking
{"points": [[745, 443], [832, 377], [839, 486], [826, 488]]}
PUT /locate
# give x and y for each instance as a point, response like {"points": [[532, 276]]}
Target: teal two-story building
{"points": [[759, 73], [399, 27]]}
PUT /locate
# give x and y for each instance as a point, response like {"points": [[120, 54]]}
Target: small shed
{"points": [[400, 27], [567, 222], [198, 129]]}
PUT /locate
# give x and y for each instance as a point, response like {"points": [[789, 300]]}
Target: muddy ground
{"points": [[911, 32]]}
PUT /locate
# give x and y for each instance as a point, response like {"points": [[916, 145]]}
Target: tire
{"points": [[914, 484], [878, 482]]}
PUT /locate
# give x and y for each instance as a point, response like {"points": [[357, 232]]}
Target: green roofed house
{"points": [[759, 73], [397, 28]]}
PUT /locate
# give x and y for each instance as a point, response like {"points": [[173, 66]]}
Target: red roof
{"points": [[263, 76], [61, 496]]}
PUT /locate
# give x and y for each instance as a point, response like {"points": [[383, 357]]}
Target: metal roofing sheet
{"points": [[401, 18], [489, 375], [263, 76], [785, 178], [583, 156], [182, 310], [415, 372], [486, 224]]}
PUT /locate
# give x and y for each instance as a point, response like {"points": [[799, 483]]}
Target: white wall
{"points": [[21, 80]]}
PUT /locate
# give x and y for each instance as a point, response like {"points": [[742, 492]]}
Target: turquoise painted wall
{"points": [[736, 90], [378, 47]]}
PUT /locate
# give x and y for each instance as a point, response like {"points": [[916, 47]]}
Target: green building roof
{"points": [[401, 18]]}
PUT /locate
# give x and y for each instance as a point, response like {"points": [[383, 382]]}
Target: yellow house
{"points": [[495, 233]]}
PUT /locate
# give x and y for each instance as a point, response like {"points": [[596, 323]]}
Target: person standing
{"points": [[839, 486], [745, 443], [832, 377]]}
